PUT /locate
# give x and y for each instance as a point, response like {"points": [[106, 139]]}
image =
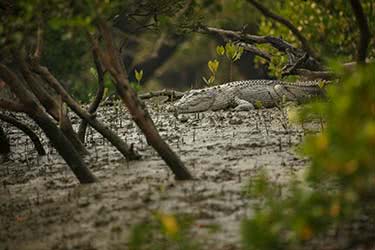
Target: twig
{"points": [[292, 66], [364, 31]]}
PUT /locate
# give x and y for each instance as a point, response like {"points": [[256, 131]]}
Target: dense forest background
{"points": [[164, 39]]}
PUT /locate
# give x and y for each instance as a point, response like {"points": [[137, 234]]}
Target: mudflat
{"points": [[42, 205]]}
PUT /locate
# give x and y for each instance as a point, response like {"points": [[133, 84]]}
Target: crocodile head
{"points": [[196, 101]]}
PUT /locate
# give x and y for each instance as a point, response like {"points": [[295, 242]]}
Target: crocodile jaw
{"points": [[196, 101]]}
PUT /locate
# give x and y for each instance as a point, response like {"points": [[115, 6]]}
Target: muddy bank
{"points": [[42, 206]]}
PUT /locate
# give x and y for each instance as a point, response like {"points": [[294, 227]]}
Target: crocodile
{"points": [[247, 95]]}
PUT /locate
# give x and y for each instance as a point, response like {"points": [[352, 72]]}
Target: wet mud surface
{"points": [[42, 206]]}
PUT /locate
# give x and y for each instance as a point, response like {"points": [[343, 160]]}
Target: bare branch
{"points": [[27, 130], [98, 97], [266, 12], [254, 50], [275, 42], [278, 43], [364, 31]]}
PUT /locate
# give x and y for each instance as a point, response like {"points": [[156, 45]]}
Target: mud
{"points": [[42, 206]]}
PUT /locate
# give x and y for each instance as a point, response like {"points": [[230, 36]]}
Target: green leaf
{"points": [[213, 66], [220, 50], [211, 80], [230, 50], [238, 54], [138, 75]]}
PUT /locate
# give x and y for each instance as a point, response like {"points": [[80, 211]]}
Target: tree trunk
{"points": [[64, 147], [33, 109], [52, 106], [116, 141], [111, 60]]}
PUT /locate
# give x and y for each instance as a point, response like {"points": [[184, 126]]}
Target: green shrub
{"points": [[342, 158]]}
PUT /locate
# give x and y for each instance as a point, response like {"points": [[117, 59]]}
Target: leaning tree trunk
{"points": [[52, 106], [33, 109], [137, 109], [110, 135]]}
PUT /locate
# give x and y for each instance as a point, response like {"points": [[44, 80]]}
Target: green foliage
{"points": [[329, 26], [138, 75], [342, 158], [212, 66], [220, 50], [233, 52]]}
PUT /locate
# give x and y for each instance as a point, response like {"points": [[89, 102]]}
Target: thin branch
{"points": [[275, 42], [266, 12], [364, 31], [294, 63], [27, 130], [311, 63], [254, 50], [98, 97]]}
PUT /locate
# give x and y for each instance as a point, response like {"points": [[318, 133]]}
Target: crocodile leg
{"points": [[284, 92], [242, 105]]}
